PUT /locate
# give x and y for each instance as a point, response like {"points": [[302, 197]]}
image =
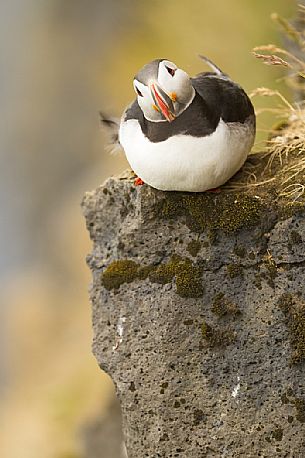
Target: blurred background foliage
{"points": [[61, 61]]}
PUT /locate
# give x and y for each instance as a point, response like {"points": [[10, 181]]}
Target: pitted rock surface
{"points": [[207, 376]]}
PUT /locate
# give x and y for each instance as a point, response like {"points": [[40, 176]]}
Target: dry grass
{"points": [[281, 164]]}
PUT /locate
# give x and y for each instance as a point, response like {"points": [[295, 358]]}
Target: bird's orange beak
{"points": [[162, 103]]}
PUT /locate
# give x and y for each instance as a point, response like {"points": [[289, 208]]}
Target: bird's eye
{"points": [[171, 71], [138, 92]]}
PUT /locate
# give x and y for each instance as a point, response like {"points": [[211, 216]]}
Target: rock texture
{"points": [[199, 318]]}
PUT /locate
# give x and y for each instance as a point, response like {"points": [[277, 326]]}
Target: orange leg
{"points": [[138, 182]]}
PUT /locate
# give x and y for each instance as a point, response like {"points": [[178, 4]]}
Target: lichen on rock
{"points": [[194, 247], [222, 306], [119, 272], [293, 308], [234, 270], [229, 212], [188, 276], [217, 337]]}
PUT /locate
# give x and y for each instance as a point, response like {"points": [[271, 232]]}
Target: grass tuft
{"points": [[281, 165]]}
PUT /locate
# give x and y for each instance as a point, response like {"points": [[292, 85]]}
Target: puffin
{"points": [[185, 133]]}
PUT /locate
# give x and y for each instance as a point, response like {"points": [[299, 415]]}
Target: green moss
{"points": [[119, 272], [288, 209], [144, 271], [294, 309], [229, 212], [217, 337], [163, 274], [212, 236], [234, 270], [188, 276], [194, 247], [222, 306]]}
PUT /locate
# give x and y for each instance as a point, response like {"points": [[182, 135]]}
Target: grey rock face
{"points": [[199, 318]]}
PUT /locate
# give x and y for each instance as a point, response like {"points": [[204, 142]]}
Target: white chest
{"points": [[186, 163]]}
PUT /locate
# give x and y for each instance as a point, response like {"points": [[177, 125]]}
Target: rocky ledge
{"points": [[199, 318]]}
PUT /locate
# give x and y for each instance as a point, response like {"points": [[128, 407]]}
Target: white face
{"points": [[146, 102], [165, 94]]}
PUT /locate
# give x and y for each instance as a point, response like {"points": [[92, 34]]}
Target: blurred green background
{"points": [[61, 61]]}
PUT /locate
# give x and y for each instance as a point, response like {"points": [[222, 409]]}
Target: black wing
{"points": [[223, 97]]}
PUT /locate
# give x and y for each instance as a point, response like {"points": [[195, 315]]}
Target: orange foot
{"points": [[138, 182], [214, 190]]}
